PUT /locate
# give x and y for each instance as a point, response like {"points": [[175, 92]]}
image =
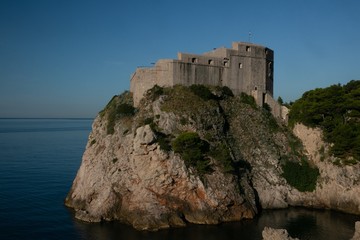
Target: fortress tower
{"points": [[245, 67]]}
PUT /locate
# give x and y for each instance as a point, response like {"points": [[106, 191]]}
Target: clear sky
{"points": [[67, 58]]}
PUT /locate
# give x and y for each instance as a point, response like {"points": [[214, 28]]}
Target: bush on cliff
{"points": [[221, 153], [336, 110], [247, 99], [202, 91], [155, 92], [192, 150], [300, 176], [118, 107]]}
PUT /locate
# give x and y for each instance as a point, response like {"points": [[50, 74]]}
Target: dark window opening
{"points": [[240, 65], [211, 62], [270, 69], [248, 49], [194, 60]]}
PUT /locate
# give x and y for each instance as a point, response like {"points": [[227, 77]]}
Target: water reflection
{"points": [[300, 222]]}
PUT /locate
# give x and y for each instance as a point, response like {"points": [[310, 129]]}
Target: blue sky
{"points": [[67, 58]]}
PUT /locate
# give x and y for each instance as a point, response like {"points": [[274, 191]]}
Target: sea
{"points": [[39, 159]]}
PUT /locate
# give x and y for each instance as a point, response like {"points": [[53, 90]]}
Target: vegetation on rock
{"points": [[221, 153], [192, 150], [336, 110], [120, 106], [301, 176], [202, 91]]}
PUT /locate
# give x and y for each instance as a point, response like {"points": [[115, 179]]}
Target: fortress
{"points": [[246, 67]]}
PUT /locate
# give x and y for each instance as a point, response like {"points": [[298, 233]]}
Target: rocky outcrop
{"points": [[129, 174], [129, 178], [282, 234], [126, 176], [276, 234], [357, 232], [337, 186]]}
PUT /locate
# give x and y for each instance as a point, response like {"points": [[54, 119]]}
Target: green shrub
{"points": [[125, 109], [247, 99], [267, 107], [115, 112], [148, 120], [280, 100], [118, 107], [202, 91], [335, 110], [300, 176], [155, 92], [164, 141], [221, 153], [183, 121], [192, 149], [226, 91]]}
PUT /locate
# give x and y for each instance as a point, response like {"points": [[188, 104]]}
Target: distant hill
{"points": [[336, 110]]}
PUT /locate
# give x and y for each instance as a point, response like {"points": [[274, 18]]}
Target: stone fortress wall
{"points": [[246, 67]]}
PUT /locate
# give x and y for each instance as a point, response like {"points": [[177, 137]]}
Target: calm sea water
{"points": [[38, 162]]}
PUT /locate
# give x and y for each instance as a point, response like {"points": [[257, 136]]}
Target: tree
{"points": [[336, 110]]}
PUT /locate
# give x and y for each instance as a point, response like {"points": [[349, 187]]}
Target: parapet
{"points": [[246, 67], [253, 50]]}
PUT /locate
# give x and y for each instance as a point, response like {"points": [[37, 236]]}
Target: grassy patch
{"points": [[182, 101]]}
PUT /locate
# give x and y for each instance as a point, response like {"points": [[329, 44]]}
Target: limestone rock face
{"points": [[338, 186], [127, 173], [126, 176], [276, 234], [357, 232]]}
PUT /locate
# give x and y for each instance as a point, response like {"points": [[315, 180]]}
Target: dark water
{"points": [[38, 162]]}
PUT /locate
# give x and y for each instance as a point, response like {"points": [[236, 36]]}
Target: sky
{"points": [[67, 58]]}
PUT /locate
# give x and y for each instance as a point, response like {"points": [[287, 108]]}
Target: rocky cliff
{"points": [[133, 172]]}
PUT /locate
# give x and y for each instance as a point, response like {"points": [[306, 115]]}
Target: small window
{"points": [[211, 62], [248, 48], [194, 60], [240, 65], [270, 69], [226, 63]]}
